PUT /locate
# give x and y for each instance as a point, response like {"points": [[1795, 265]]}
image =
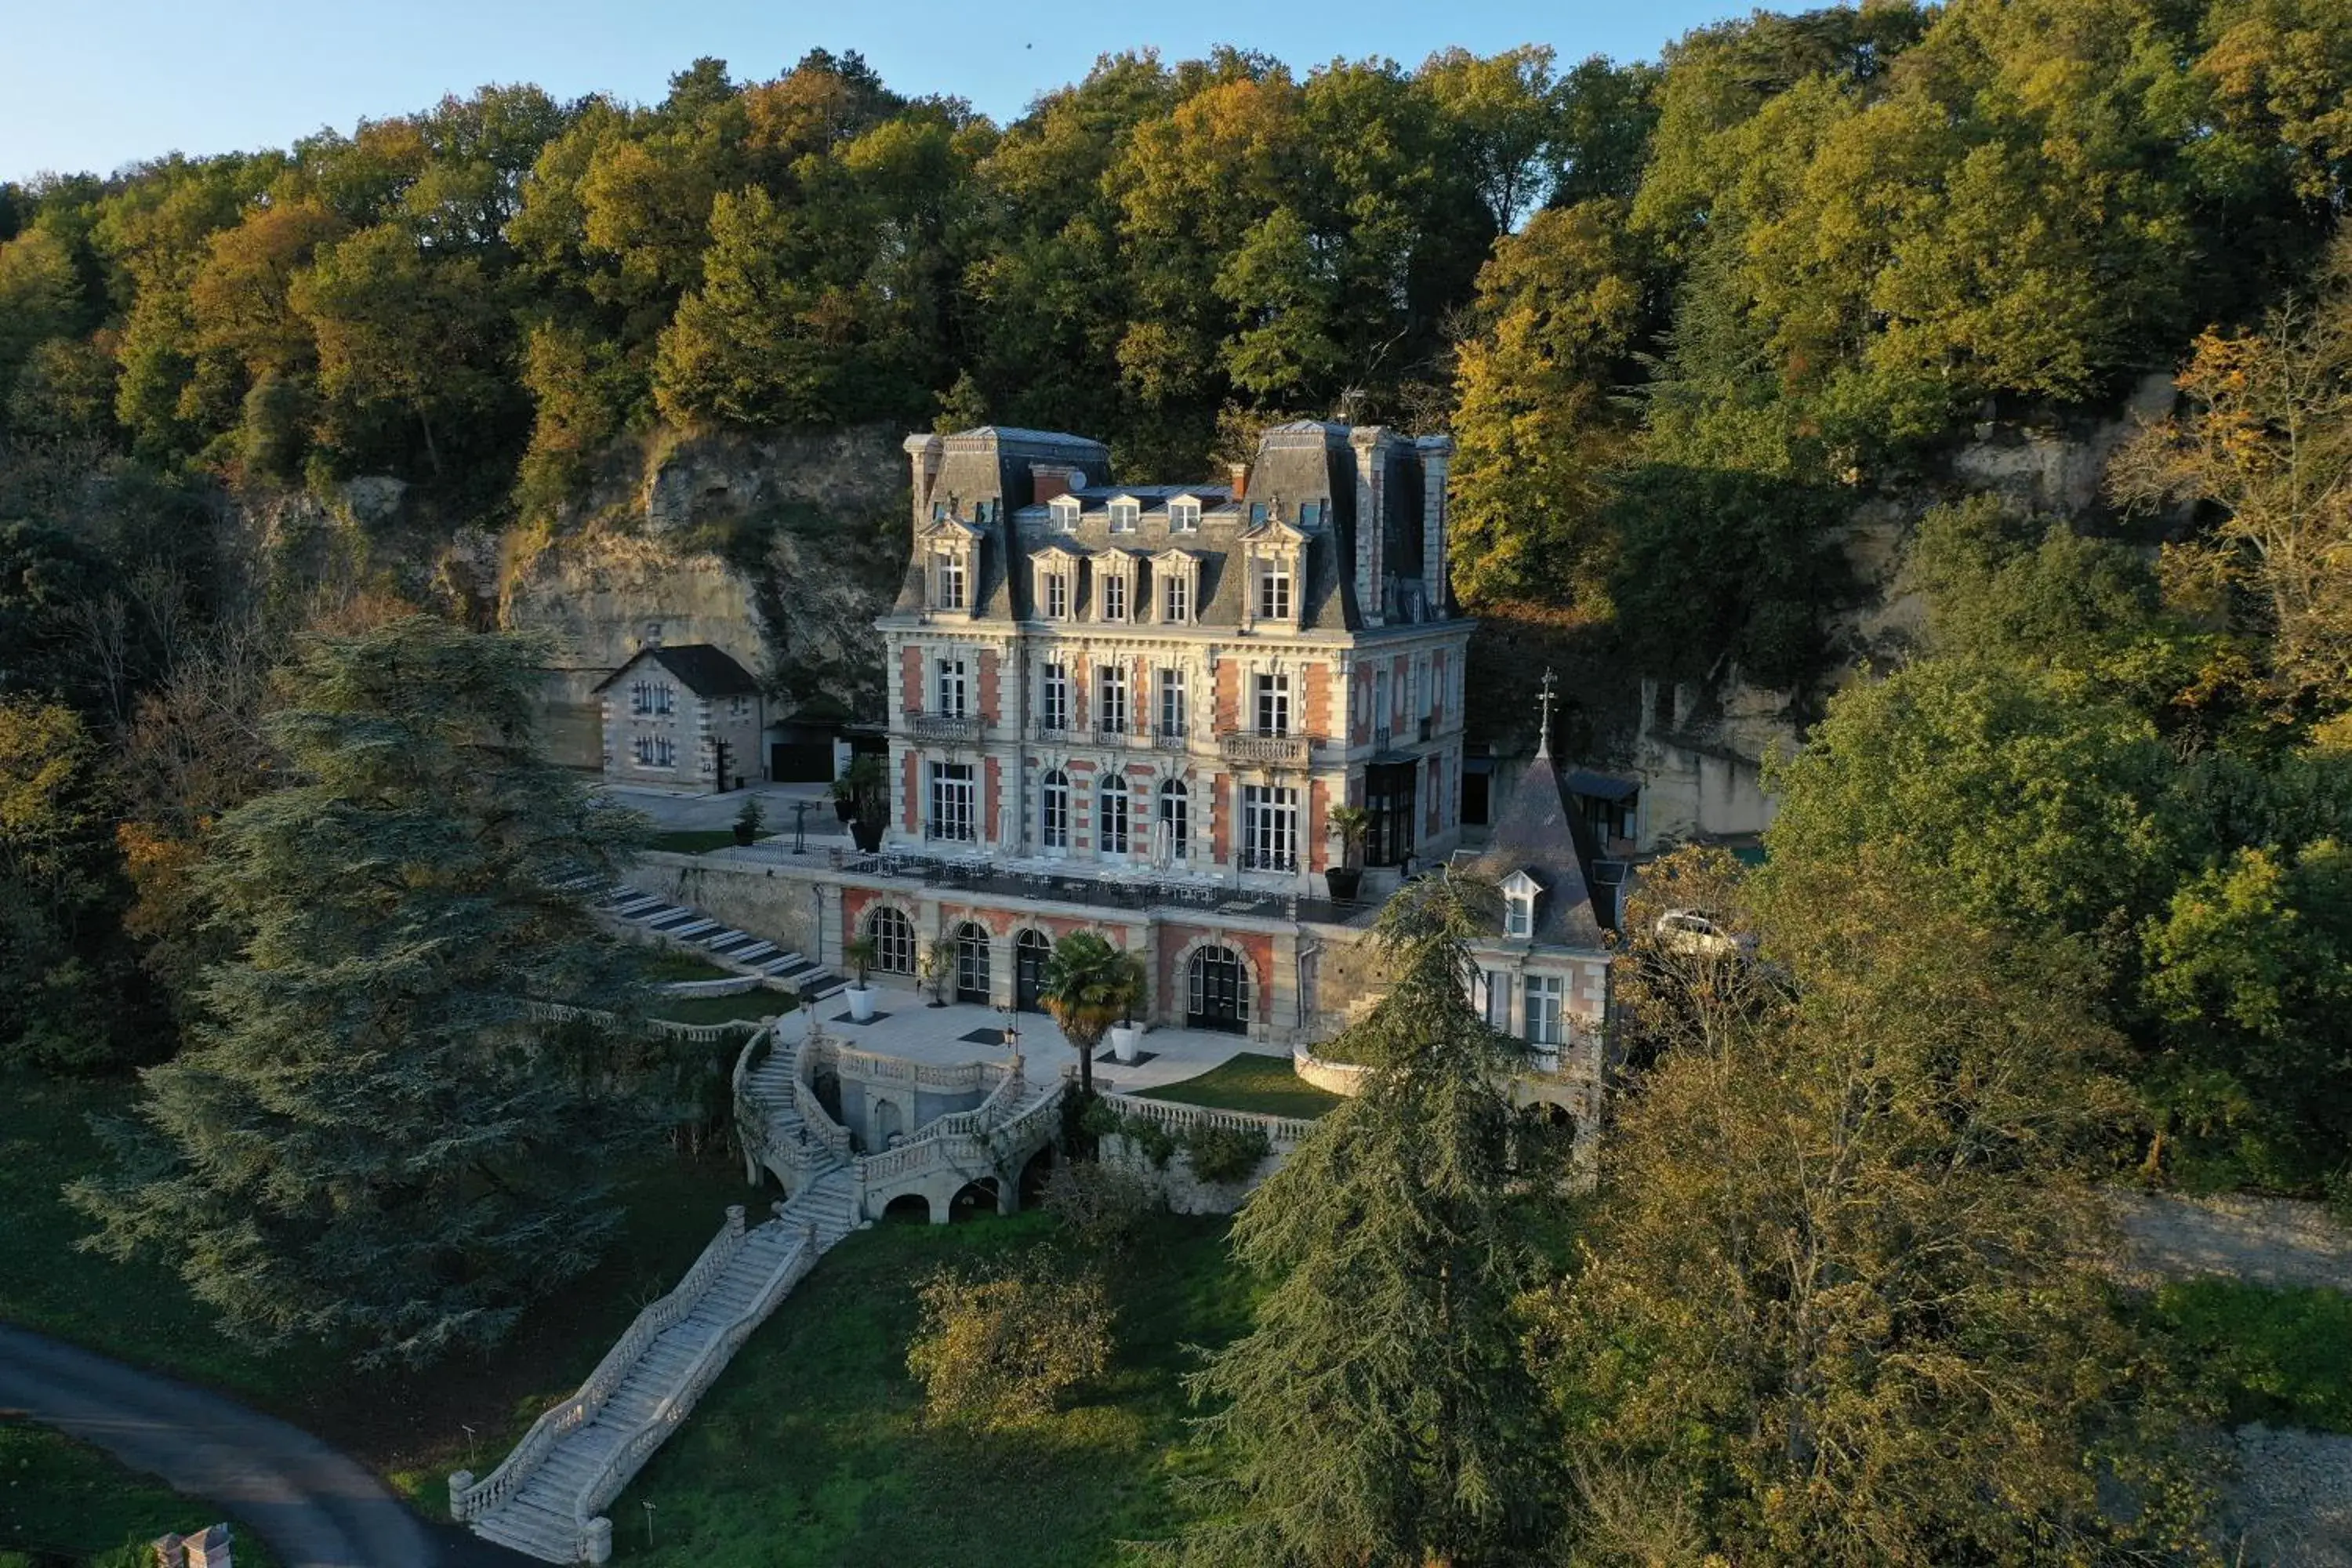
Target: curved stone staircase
{"points": [[545, 1498]]}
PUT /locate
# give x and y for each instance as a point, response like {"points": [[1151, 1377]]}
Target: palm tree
{"points": [[1089, 986]]}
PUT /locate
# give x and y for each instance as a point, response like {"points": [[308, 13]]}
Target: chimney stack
{"points": [[1239, 475], [1048, 480]]}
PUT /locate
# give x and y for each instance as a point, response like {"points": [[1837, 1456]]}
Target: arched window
{"points": [[1110, 824], [893, 936], [1217, 991], [972, 963], [1054, 811], [1176, 818]]}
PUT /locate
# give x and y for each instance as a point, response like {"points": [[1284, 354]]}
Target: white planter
{"points": [[1122, 1041], [861, 1002]]}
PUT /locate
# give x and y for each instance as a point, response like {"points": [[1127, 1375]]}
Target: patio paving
{"points": [[904, 1025]]}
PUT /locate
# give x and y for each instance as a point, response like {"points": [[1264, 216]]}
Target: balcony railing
{"points": [[1170, 738], [1269, 859], [1266, 751], [952, 729]]}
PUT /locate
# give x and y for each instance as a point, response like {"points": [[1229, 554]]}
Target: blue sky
{"points": [[94, 84]]}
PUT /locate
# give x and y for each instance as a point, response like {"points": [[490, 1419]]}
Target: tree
{"points": [[370, 1136], [995, 1348], [1089, 985], [1379, 1413], [1838, 1303], [2268, 442]]}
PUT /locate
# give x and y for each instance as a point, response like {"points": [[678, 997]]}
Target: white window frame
{"points": [[1270, 703], [1269, 827], [1275, 601], [1174, 703], [1544, 1016], [1114, 814], [1176, 811], [1111, 699], [1495, 999], [1054, 810], [1184, 514], [1056, 595], [1176, 598], [1065, 512], [951, 582], [951, 686], [1125, 515], [1115, 585], [893, 936], [1054, 696], [1519, 916], [952, 808]]}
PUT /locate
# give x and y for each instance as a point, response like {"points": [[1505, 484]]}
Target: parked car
{"points": [[1695, 933]]}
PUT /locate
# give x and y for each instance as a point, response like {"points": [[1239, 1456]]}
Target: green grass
{"points": [[663, 966], [1249, 1083], [748, 1004], [409, 1427], [61, 1502], [696, 840], [813, 1449], [2279, 1356]]}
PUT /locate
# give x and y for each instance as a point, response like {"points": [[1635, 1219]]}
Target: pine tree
{"points": [[370, 1136], [1379, 1412]]}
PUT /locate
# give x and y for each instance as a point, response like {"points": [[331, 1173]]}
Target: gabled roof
{"points": [[701, 669], [1533, 836]]}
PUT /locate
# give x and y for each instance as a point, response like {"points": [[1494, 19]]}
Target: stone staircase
{"points": [[544, 1500], [684, 927]]}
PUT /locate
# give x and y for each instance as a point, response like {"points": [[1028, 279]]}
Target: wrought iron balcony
{"points": [[1053, 734], [1269, 859], [1170, 738], [955, 730], [1266, 751]]}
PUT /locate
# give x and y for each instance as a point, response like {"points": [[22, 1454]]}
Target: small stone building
{"points": [[689, 717]]}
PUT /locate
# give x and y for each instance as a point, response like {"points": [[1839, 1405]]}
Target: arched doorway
{"points": [[889, 1126], [971, 964], [972, 1200], [907, 1208], [1217, 991], [1031, 950]]}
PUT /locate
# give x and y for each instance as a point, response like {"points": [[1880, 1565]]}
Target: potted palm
{"points": [[938, 961], [1089, 986], [869, 795], [859, 953], [845, 794], [749, 820], [1350, 822]]}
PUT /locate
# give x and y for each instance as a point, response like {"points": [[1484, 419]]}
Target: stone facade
{"points": [[684, 717]]}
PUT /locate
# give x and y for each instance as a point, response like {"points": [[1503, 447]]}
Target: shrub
{"points": [[1225, 1153], [1101, 1206], [1101, 1119], [2283, 1356], [994, 1350]]}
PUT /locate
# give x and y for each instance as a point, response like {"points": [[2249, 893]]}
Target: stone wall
{"points": [[780, 903], [1175, 1183]]}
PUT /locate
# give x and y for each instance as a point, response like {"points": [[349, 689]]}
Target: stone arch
{"points": [[974, 1198], [1180, 974], [907, 1208], [1031, 1183], [886, 922], [889, 1123]]}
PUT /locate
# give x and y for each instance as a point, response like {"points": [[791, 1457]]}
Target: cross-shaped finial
{"points": [[1543, 735]]}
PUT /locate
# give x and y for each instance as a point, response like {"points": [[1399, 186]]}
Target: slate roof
{"points": [[1536, 832], [702, 668]]}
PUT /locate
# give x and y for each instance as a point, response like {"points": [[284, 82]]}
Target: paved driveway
{"points": [[316, 1508]]}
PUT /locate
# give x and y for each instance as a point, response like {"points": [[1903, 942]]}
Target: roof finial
{"points": [[1543, 734]]}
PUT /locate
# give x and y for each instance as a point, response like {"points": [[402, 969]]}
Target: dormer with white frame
{"points": [[1125, 514], [1056, 583], [1115, 585], [1183, 514], [950, 551], [1520, 892], [1176, 587], [1273, 556], [1065, 510]]}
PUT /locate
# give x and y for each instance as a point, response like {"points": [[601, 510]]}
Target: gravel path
{"points": [[316, 1508], [2289, 1503], [2270, 1241]]}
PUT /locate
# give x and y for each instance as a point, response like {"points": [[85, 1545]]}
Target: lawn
{"points": [[2279, 1356], [1249, 1083], [665, 965], [61, 1502], [812, 1448], [695, 840], [409, 1427], [757, 1003]]}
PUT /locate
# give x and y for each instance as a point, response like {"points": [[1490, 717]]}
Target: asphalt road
{"points": [[316, 1508]]}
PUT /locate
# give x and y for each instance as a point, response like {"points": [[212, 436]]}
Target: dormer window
{"points": [[1184, 515], [1274, 592], [1175, 598], [1125, 513], [1114, 596], [1065, 510], [949, 589], [1311, 513], [1519, 891]]}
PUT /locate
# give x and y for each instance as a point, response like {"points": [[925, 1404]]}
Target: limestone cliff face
{"points": [[781, 549]]}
